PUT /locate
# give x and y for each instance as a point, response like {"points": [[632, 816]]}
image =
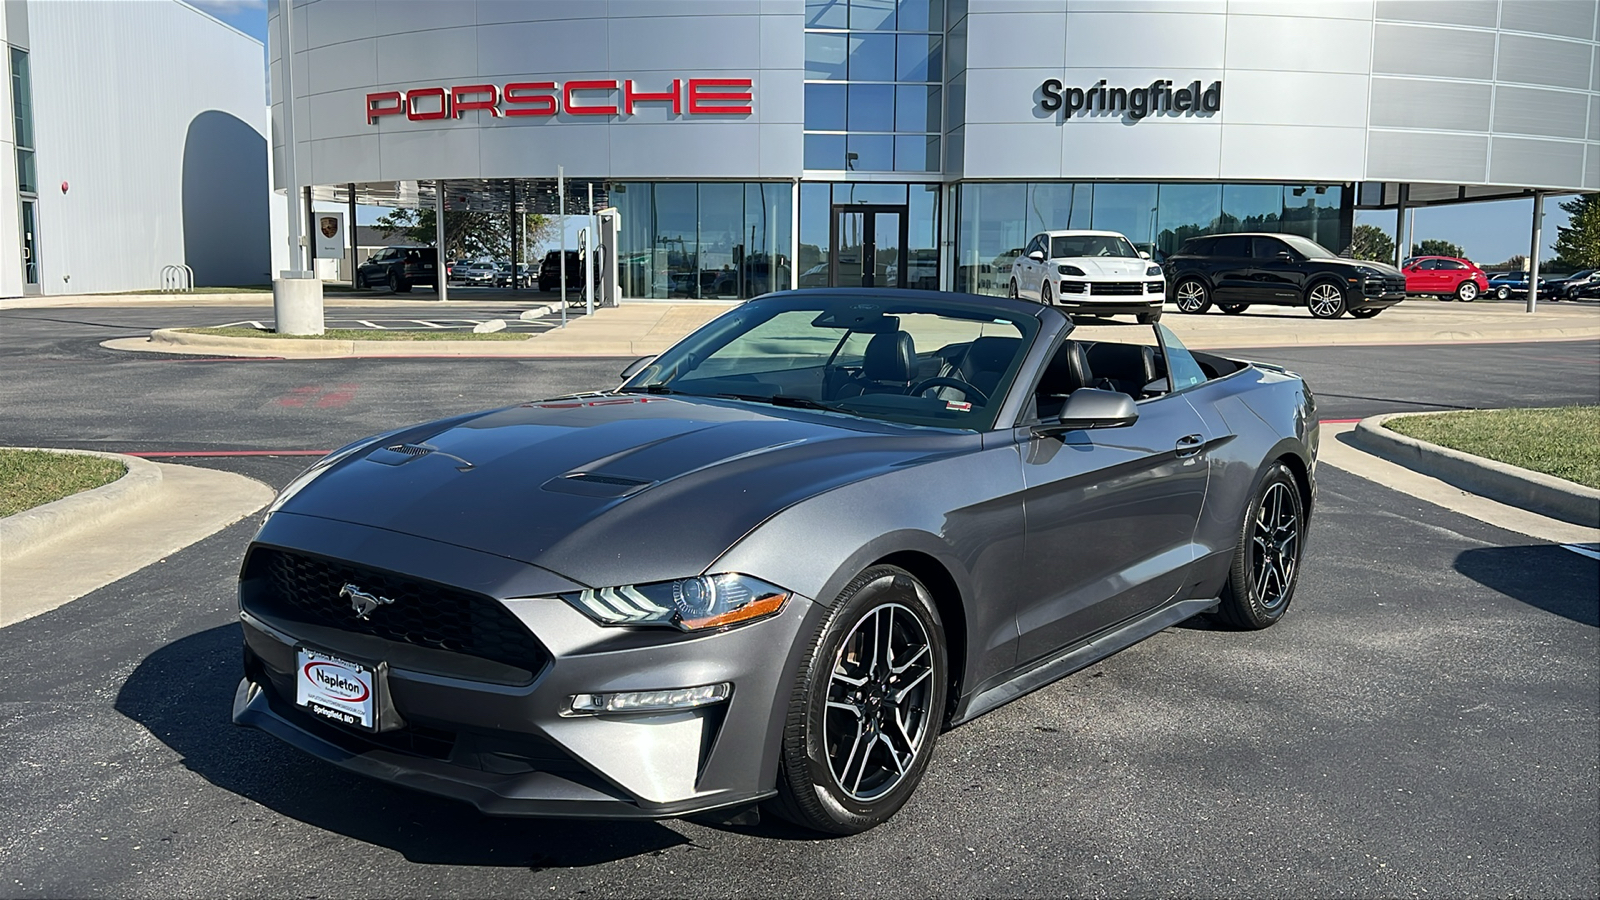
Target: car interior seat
{"points": [[1128, 367], [888, 366], [1068, 371], [986, 361]]}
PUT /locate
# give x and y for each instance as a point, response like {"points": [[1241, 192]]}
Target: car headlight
{"points": [[1070, 270], [689, 604], [1152, 271], [1363, 270]]}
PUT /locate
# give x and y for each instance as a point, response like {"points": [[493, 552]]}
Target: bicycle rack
{"points": [[178, 279]]}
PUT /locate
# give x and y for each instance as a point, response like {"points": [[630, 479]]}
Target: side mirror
{"points": [[1285, 255], [1094, 408], [1144, 254], [636, 367], [1037, 256]]}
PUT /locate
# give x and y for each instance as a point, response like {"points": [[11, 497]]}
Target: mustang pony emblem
{"points": [[362, 602]]}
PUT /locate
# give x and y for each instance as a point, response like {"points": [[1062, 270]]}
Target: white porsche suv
{"points": [[1094, 272]]}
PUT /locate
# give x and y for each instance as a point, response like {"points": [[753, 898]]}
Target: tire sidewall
{"points": [[875, 586], [1249, 604]]}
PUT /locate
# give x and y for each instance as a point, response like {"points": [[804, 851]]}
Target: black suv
{"points": [[1235, 270], [550, 272], [398, 268]]}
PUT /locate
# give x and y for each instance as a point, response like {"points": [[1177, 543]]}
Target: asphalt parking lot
{"points": [[1425, 722]]}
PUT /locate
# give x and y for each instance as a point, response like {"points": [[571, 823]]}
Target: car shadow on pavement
{"points": [[1543, 576], [183, 693]]}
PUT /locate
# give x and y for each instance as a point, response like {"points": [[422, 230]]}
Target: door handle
{"points": [[1189, 445]]}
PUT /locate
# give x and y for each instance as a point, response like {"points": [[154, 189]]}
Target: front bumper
{"points": [[1130, 297], [1376, 292], [494, 736]]}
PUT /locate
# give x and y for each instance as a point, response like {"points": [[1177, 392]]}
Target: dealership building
{"points": [[133, 149], [756, 144]]}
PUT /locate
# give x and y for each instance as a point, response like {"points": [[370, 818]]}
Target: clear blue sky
{"points": [[1489, 232]]}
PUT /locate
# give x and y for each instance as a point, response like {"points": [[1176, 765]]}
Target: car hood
{"points": [[610, 489], [1106, 266]]}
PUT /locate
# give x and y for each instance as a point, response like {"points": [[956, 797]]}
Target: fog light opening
{"points": [[647, 701]]}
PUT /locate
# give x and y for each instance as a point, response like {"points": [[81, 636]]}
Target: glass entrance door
{"points": [[30, 245], [867, 246]]}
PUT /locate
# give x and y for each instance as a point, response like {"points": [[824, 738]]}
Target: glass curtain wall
{"points": [[921, 253], [874, 75], [996, 219], [703, 240], [27, 175]]}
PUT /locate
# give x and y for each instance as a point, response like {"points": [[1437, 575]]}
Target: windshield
{"points": [[1307, 247], [939, 363], [1092, 245]]}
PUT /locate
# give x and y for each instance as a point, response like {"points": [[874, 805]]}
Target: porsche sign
{"points": [[608, 97]]}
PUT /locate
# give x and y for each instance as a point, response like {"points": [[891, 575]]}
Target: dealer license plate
{"points": [[335, 688]]}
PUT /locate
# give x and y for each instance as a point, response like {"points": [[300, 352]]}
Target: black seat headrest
{"points": [[1131, 365], [1068, 370], [891, 356]]}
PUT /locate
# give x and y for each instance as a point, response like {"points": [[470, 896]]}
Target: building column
{"points": [[794, 234], [1533, 251], [355, 251], [296, 292], [441, 273], [1402, 235]]}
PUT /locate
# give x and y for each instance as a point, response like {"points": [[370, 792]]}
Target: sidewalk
{"points": [[638, 328]]}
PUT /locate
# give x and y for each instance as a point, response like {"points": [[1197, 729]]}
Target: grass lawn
{"points": [[364, 334], [30, 478], [1564, 442]]}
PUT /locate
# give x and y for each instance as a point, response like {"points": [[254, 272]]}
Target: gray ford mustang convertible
{"points": [[775, 563]]}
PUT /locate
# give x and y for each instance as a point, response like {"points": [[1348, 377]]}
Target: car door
{"points": [[1031, 280], [1229, 268], [1277, 272], [1110, 522], [1450, 272]]}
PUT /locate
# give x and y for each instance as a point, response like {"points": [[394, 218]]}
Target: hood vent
{"points": [[596, 484]]}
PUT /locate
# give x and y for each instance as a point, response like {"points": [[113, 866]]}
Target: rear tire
{"points": [[1367, 313], [1150, 318], [1233, 309], [1266, 566], [1044, 295], [394, 283], [1325, 300], [1192, 296], [854, 685], [1502, 293], [1467, 291]]}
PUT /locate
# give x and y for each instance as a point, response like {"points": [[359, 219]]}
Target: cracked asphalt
{"points": [[1425, 722]]}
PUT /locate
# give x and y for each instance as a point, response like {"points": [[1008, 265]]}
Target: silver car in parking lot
{"points": [[775, 563]]}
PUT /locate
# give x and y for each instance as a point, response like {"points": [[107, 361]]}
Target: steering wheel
{"points": [[943, 381]]}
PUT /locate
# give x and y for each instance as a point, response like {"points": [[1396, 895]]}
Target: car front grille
{"points": [[279, 584], [1116, 288], [1154, 287], [1071, 287]]}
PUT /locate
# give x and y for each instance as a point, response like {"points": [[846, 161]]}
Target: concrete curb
{"points": [[34, 528], [1512, 485], [174, 341]]}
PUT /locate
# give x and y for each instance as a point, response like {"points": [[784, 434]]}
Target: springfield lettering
{"points": [[1135, 103]]}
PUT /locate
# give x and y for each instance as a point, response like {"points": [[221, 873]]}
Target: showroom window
{"points": [[703, 240], [996, 219], [874, 85]]}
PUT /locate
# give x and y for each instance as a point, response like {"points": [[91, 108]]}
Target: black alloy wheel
{"points": [[1326, 300], [394, 283], [1367, 313], [1267, 563], [1233, 309], [867, 706], [1192, 296]]}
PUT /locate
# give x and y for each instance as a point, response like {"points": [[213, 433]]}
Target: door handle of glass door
{"points": [[1189, 445]]}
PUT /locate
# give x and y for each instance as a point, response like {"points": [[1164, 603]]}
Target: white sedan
{"points": [[1095, 272]]}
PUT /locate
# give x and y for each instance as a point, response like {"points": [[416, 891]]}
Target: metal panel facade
{"points": [[1326, 91], [166, 165]]}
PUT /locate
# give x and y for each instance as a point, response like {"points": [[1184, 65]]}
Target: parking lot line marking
{"points": [[373, 325], [429, 324], [1590, 550], [171, 453]]}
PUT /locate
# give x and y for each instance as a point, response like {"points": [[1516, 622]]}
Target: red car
{"points": [[1447, 276]]}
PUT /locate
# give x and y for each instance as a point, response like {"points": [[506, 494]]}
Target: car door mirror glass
{"points": [[1095, 408], [1144, 254], [636, 367]]}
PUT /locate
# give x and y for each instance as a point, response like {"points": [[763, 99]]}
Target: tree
{"points": [[1578, 243], [466, 234], [1434, 247], [1371, 242], [1518, 263]]}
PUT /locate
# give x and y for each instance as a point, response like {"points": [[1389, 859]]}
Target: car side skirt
{"points": [[1077, 656]]}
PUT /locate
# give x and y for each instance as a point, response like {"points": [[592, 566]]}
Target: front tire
{"points": [[1467, 291], [1044, 295], [1326, 300], [1012, 291], [1367, 313], [1149, 318], [867, 706], [1192, 296], [1266, 566]]}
